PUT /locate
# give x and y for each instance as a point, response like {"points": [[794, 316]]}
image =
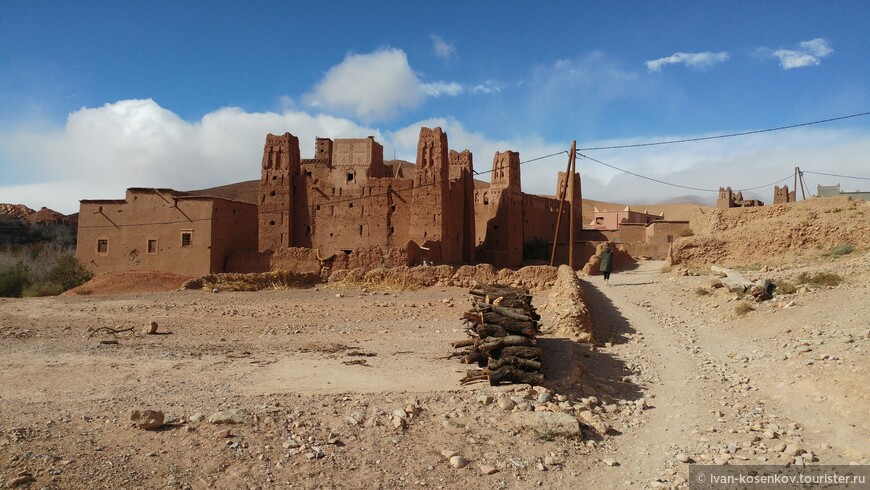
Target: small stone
{"points": [[223, 434], [151, 328], [793, 450], [22, 479], [484, 399], [769, 434], [400, 413], [355, 418], [215, 290], [488, 470], [398, 423], [458, 462], [610, 462], [147, 419], [683, 458], [339, 295], [544, 397], [506, 403], [448, 453]]}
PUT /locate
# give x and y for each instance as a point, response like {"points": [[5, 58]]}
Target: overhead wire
{"points": [[721, 136], [835, 175]]}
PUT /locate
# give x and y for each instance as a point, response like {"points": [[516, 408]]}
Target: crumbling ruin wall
{"points": [[781, 195], [566, 314], [532, 277]]}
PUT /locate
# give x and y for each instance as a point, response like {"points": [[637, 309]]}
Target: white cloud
{"points": [[488, 88], [442, 49], [136, 143], [702, 60], [809, 53], [438, 89], [372, 86], [375, 86]]}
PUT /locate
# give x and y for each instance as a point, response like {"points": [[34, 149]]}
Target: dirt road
{"points": [[350, 388]]}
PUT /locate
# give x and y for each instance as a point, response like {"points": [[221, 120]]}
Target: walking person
{"points": [[606, 263]]}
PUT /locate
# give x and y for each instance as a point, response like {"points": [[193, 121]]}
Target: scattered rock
{"points": [[448, 454], [610, 462], [147, 419], [22, 479], [223, 434], [151, 328], [683, 458], [488, 470], [548, 423], [232, 416], [458, 462], [506, 403]]}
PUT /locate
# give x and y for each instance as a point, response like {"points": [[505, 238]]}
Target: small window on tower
{"points": [[186, 238], [102, 246], [350, 176], [152, 246]]}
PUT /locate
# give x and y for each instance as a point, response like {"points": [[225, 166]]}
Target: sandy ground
{"points": [[319, 374]]}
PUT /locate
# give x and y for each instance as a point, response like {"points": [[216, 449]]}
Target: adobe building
{"points": [[343, 208], [612, 220], [347, 199], [781, 195], [162, 229], [641, 234], [834, 190]]}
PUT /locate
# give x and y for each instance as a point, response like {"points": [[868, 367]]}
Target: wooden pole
{"points": [[796, 170], [571, 209], [801, 174], [562, 193]]}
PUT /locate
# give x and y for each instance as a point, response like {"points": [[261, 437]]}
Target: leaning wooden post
{"points": [[571, 173], [562, 193]]}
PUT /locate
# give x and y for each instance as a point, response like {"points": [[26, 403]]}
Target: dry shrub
{"points": [[256, 281], [393, 279], [844, 249], [784, 287], [820, 279], [702, 291], [743, 308]]}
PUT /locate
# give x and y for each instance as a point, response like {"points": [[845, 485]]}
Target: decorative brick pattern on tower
{"points": [[462, 198], [429, 226], [279, 168]]}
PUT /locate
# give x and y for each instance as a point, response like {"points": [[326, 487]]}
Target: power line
{"points": [[418, 186], [720, 136], [678, 185], [836, 175]]}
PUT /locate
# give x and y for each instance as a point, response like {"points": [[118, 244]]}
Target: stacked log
{"points": [[502, 325]]}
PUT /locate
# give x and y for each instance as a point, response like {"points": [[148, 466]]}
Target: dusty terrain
{"points": [[343, 388]]}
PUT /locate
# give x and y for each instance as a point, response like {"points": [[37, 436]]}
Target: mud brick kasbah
{"points": [[345, 207]]}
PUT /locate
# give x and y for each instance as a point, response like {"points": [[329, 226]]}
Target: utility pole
{"points": [[562, 192], [571, 209]]}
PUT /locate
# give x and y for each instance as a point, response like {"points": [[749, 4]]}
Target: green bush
{"points": [[68, 273], [13, 280], [537, 249], [844, 249], [42, 289]]}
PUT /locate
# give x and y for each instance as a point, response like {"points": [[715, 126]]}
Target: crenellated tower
{"points": [[280, 166]]}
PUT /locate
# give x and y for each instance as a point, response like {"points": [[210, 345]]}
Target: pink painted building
{"points": [[611, 220]]}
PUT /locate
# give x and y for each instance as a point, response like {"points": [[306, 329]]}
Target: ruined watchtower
{"points": [[275, 208]]}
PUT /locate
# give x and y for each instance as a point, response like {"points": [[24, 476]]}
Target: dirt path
{"points": [[679, 402]]}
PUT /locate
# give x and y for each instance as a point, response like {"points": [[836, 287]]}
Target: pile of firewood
{"points": [[502, 325]]}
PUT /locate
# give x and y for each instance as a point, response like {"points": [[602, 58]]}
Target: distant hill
{"points": [[246, 191], [690, 199], [44, 216]]}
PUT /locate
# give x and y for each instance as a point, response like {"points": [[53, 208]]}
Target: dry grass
{"points": [[702, 291], [784, 287], [378, 279], [820, 279], [254, 281], [743, 308]]}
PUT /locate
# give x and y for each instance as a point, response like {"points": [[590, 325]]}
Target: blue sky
{"points": [[99, 96]]}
